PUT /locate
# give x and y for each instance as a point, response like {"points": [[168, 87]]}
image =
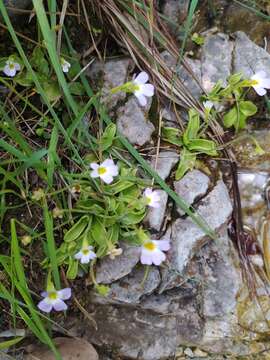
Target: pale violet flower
{"points": [[260, 82], [85, 254], [65, 65], [142, 90], [152, 198], [54, 300], [152, 251], [105, 171], [208, 105], [11, 68]]}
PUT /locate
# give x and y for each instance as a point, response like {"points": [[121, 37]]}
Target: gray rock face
{"points": [[249, 57], [109, 75], [165, 162], [191, 84], [193, 185], [150, 322], [187, 237], [221, 281], [176, 11], [134, 333], [133, 124], [194, 65], [155, 216], [131, 288], [216, 60], [109, 270]]}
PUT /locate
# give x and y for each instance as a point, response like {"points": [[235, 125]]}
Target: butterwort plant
{"points": [[54, 299], [139, 86]]}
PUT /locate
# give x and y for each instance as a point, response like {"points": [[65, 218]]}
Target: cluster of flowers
{"points": [[152, 251], [12, 67], [260, 83]]}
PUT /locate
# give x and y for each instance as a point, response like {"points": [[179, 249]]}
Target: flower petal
{"points": [[158, 257], [45, 306], [147, 89], [94, 173], [163, 244], [107, 163], [94, 166], [141, 78], [141, 98], [259, 75], [17, 66], [265, 83], [113, 170], [59, 305], [85, 259], [44, 294], [92, 255], [146, 258], [78, 256], [259, 90], [154, 204], [107, 178], [147, 192], [65, 293]]}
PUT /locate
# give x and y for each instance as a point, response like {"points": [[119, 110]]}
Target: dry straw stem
{"points": [[129, 21]]}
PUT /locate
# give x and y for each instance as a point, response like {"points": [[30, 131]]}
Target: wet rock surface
{"points": [[132, 123], [70, 349]]}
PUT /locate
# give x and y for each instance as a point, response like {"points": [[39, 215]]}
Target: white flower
{"points": [[11, 68], [54, 300], [260, 82], [85, 254], [106, 170], [208, 105], [65, 65], [141, 89], [152, 251], [152, 198]]}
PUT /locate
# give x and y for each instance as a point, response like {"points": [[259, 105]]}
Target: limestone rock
{"points": [[176, 11], [109, 270], [192, 186], [188, 80], [184, 75], [155, 216], [216, 60], [134, 333], [108, 75], [133, 123], [166, 161], [131, 288], [70, 349], [187, 237], [249, 57]]}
